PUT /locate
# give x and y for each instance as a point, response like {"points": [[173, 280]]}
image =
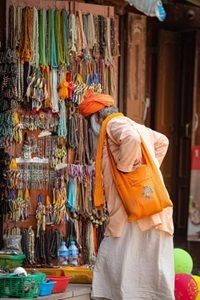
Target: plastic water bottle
{"points": [[73, 254], [63, 254], [160, 11], [153, 8]]}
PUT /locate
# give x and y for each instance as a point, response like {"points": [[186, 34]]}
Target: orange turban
{"points": [[93, 102]]}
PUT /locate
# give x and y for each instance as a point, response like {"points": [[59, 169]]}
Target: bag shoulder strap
{"points": [[147, 155], [145, 152]]}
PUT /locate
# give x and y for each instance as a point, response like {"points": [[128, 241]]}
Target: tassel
{"points": [[26, 195], [47, 202], [63, 90], [13, 165]]}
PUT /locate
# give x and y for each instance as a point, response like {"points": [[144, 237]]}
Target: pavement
{"points": [[74, 292]]}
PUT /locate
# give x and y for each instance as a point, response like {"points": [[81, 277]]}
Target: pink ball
{"points": [[185, 287]]}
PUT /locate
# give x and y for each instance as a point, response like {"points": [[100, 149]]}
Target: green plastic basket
{"points": [[11, 261], [21, 286]]}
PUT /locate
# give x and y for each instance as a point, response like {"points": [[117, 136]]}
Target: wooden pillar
{"points": [[135, 67]]}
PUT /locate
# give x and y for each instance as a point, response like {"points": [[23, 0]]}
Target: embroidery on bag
{"points": [[147, 191]]}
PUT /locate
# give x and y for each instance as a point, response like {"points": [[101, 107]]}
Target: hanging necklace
{"points": [[84, 40], [62, 124], [108, 57], [26, 50], [91, 32], [72, 27], [54, 92], [19, 27]]}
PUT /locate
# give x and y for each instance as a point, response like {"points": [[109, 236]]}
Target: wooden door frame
{"points": [[187, 88], [122, 63], [180, 238]]}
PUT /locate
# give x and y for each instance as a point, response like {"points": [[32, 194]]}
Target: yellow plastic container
{"points": [[78, 274], [48, 271]]}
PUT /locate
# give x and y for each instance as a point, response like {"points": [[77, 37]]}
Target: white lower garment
{"points": [[138, 265]]}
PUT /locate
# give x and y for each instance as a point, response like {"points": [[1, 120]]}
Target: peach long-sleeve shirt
{"points": [[124, 136]]}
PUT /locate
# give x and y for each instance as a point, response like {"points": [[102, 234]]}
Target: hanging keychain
{"points": [[73, 130], [49, 211], [60, 155], [31, 243], [40, 215], [27, 201], [21, 206], [17, 206], [17, 128], [59, 207]]}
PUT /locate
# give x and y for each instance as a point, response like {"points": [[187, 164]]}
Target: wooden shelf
{"points": [[71, 6]]}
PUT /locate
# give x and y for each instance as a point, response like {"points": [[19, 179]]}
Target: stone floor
{"points": [[74, 292]]}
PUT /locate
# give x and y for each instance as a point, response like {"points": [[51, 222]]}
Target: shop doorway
{"points": [[174, 105]]}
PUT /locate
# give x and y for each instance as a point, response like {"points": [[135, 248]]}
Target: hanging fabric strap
{"points": [[26, 45], [53, 59], [46, 73], [35, 58], [71, 198], [42, 36], [59, 35], [65, 37]]}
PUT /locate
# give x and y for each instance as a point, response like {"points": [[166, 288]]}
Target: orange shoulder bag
{"points": [[142, 191]]}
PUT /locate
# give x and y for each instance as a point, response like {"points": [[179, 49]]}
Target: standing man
{"points": [[135, 260]]}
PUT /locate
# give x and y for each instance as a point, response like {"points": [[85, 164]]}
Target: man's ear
{"points": [[94, 123]]}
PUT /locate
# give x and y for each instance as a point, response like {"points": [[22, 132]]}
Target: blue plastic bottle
{"points": [[63, 254], [73, 254]]}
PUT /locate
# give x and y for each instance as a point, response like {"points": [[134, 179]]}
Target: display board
{"points": [[194, 208], [56, 52]]}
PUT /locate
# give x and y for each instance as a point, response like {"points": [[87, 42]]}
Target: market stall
{"points": [[56, 51]]}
